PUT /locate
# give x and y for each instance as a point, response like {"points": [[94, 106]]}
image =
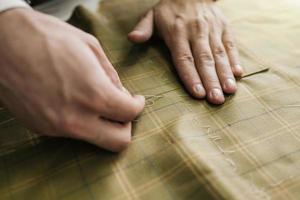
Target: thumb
{"points": [[143, 31]]}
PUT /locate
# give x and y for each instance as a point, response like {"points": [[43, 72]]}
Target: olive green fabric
{"points": [[248, 148]]}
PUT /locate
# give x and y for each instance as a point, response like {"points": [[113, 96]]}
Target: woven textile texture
{"points": [[248, 148]]}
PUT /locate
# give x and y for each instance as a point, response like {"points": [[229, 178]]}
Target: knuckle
{"points": [[113, 74], [219, 51], [92, 39], [207, 57], [200, 36], [68, 123], [115, 79], [93, 99], [198, 24], [178, 25], [229, 45], [186, 58]]}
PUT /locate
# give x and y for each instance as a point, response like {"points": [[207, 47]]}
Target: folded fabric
{"points": [[248, 148]]}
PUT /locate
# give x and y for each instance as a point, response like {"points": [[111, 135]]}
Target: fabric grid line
{"points": [[182, 148]]}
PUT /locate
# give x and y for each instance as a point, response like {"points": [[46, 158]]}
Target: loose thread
{"points": [[254, 73], [292, 106], [151, 99], [153, 96]]}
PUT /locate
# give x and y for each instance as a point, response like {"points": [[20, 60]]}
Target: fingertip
{"points": [[198, 91], [215, 96], [141, 102], [140, 98], [120, 145], [238, 70], [137, 36], [119, 138], [229, 86]]}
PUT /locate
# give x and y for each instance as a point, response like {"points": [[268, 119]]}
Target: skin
{"points": [[201, 44], [57, 80]]}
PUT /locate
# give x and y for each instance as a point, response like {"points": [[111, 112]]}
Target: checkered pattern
{"points": [[249, 148]]}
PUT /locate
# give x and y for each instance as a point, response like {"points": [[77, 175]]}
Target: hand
{"points": [[57, 80], [201, 44]]}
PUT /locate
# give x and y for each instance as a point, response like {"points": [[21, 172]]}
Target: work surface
{"points": [[248, 148]]}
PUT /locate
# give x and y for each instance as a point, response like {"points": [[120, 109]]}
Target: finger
{"points": [[108, 68], [112, 136], [104, 61], [222, 64], [103, 97], [232, 53], [206, 68], [184, 62], [143, 31], [119, 106]]}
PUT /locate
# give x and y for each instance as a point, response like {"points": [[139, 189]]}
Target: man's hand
{"points": [[201, 44], [57, 80]]}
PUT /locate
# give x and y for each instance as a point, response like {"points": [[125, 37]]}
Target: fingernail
{"points": [[217, 96], [199, 90], [239, 69], [229, 85], [137, 32], [140, 98]]}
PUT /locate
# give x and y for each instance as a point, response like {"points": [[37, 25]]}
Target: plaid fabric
{"points": [[248, 148]]}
